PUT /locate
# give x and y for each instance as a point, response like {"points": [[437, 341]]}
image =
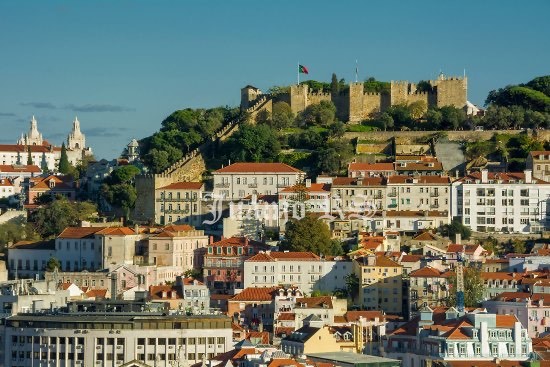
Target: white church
{"points": [[44, 154]]}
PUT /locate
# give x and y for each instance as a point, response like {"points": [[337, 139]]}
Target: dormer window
{"points": [[51, 184]]}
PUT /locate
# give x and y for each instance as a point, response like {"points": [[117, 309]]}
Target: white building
{"points": [[252, 218], [304, 270], [7, 188], [29, 259], [418, 193], [240, 180], [501, 202], [179, 202], [77, 338]]}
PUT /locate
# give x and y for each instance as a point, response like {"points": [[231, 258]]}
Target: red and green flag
{"points": [[302, 69]]}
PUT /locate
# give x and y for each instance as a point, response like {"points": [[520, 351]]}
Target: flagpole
{"points": [[298, 69], [356, 71]]}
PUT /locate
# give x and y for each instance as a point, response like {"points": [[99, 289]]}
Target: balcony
{"points": [[253, 185], [434, 206], [221, 185], [434, 193], [392, 194]]}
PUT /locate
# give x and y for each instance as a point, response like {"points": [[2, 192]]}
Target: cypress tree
{"points": [[334, 85], [29, 157], [64, 165]]}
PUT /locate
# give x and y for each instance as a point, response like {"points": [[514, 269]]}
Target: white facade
{"points": [[241, 180], [303, 270], [29, 259], [418, 193], [78, 339], [512, 202]]}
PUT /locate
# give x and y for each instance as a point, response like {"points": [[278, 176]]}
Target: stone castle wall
{"points": [[356, 105]]}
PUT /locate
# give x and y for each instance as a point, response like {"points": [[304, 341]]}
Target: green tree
{"points": [[337, 130], [282, 115], [334, 86], [452, 117], [386, 121], [541, 83], [253, 144], [52, 219], [352, 285], [16, 230], [263, 117], [310, 234], [519, 246], [456, 227], [328, 161], [320, 114], [123, 174], [434, 118], [29, 156], [193, 273], [418, 109], [53, 264], [64, 165], [424, 86], [473, 288]]}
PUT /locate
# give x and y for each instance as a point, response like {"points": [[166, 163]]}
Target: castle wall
{"points": [[372, 104], [298, 98], [356, 112], [341, 101]]}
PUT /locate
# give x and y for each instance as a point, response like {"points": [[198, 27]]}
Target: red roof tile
{"points": [[315, 187], [366, 181], [352, 316], [183, 186], [426, 272], [20, 168], [509, 177], [287, 316], [314, 302], [425, 236], [372, 167], [258, 168], [255, 294], [424, 180], [411, 258], [79, 232], [116, 231], [285, 256]]}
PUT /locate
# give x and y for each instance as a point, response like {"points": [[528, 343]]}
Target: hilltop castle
{"points": [[354, 104]]}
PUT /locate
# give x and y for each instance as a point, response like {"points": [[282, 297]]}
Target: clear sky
{"points": [[123, 66]]}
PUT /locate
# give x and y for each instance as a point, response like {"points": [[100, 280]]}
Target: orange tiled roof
{"points": [[411, 258], [178, 227], [287, 316], [315, 187], [419, 166], [183, 186], [500, 276], [426, 272], [79, 232], [116, 231], [468, 249], [20, 168], [258, 168], [5, 182], [283, 362], [96, 293], [156, 292], [262, 335], [380, 261], [255, 294], [314, 302], [366, 181], [508, 177], [424, 180], [507, 321], [285, 256], [369, 315], [191, 281], [425, 236]]}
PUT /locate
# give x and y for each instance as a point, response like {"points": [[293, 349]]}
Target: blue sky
{"points": [[123, 66]]}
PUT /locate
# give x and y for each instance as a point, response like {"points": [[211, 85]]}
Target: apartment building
{"points": [[380, 283], [428, 286], [444, 335], [409, 165], [360, 169], [77, 338], [304, 270], [240, 180], [179, 202], [178, 245], [418, 193], [539, 163], [358, 195], [224, 263], [501, 202]]}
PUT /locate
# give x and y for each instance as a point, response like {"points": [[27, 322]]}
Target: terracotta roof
{"points": [[6, 182], [191, 281], [262, 335], [156, 292], [509, 177], [65, 285], [358, 166], [419, 166], [183, 186], [421, 180], [366, 181], [340, 320], [20, 168], [499, 363], [506, 321], [258, 168], [314, 302], [24, 148], [96, 293], [315, 187], [380, 261], [425, 236], [237, 241], [497, 261], [411, 258], [283, 362], [178, 227], [285, 256], [287, 316], [79, 232], [468, 249], [36, 245], [500, 276], [116, 231], [282, 330], [352, 316], [255, 294], [426, 272]]}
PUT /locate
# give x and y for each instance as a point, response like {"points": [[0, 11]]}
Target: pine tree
{"points": [[64, 165], [44, 163], [29, 158], [334, 85]]}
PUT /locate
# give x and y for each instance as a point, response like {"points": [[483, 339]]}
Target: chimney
{"points": [[528, 176], [174, 294], [211, 239], [136, 229], [458, 239], [371, 260], [164, 294], [308, 182], [484, 176]]}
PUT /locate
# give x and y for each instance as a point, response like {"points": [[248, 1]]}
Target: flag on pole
{"points": [[302, 69]]}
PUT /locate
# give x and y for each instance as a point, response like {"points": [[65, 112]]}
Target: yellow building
{"points": [[380, 283]]}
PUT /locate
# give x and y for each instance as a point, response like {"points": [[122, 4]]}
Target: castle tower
{"points": [[132, 150], [33, 137], [298, 98], [76, 140], [356, 92], [451, 91], [248, 95]]}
